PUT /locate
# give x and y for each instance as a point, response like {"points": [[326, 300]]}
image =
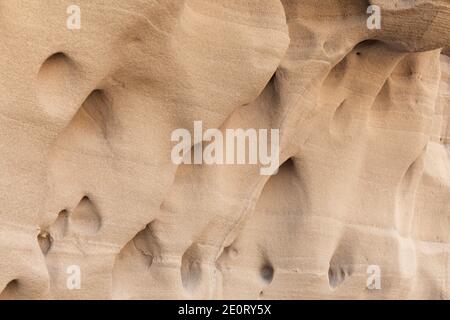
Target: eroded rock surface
{"points": [[85, 137]]}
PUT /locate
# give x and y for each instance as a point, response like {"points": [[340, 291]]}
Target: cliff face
{"points": [[93, 206]]}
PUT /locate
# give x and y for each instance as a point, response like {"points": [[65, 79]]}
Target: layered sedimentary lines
{"points": [[92, 206]]}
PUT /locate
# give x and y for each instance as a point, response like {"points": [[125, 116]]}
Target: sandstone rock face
{"points": [[93, 207]]}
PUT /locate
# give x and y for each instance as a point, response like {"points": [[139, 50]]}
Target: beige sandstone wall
{"points": [[87, 179]]}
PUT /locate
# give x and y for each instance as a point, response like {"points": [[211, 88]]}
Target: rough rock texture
{"points": [[87, 179]]}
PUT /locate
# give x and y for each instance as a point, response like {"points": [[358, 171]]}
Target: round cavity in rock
{"points": [[267, 273]]}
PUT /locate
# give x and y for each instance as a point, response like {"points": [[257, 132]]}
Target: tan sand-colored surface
{"points": [[88, 188]]}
